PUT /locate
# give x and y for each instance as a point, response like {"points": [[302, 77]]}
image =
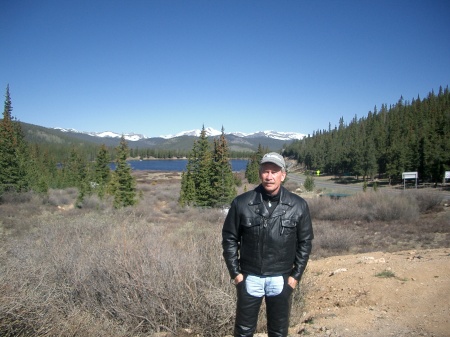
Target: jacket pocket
{"points": [[251, 225], [250, 230], [288, 227]]}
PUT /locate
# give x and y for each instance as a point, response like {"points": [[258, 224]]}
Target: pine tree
{"points": [[252, 169], [102, 175], [223, 190], [123, 183], [43, 172], [203, 171], [208, 180], [74, 169], [187, 192], [13, 151]]}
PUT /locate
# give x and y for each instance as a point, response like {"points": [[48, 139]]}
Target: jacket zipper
{"points": [[262, 243]]}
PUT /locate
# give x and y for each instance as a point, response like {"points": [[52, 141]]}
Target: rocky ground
{"points": [[378, 294]]}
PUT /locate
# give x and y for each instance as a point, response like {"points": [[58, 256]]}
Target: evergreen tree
{"points": [[74, 169], [188, 195], [102, 170], [208, 180], [123, 183], [252, 169], [187, 192], [223, 190], [13, 156], [76, 174], [309, 182], [203, 170], [38, 174]]}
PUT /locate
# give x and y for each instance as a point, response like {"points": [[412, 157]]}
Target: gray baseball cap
{"points": [[275, 158]]}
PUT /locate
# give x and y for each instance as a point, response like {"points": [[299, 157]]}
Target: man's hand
{"points": [[238, 279], [292, 282]]}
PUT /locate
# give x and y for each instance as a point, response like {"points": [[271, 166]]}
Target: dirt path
{"points": [[347, 298]]}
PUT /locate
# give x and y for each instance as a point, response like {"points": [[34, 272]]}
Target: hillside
{"points": [[42, 135]]}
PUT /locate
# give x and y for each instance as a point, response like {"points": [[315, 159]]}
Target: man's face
{"points": [[271, 177]]}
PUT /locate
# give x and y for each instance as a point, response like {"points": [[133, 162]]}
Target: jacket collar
{"points": [[257, 202]]}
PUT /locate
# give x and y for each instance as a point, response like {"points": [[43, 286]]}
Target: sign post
{"points": [[409, 175], [446, 176]]}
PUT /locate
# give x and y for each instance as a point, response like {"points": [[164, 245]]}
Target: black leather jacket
{"points": [[255, 243]]}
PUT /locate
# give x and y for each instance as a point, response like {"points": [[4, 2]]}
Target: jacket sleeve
{"points": [[305, 236], [231, 240]]}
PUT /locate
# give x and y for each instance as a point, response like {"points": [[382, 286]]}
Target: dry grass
{"points": [[157, 267]]}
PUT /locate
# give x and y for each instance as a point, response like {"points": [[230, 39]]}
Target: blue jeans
{"points": [[250, 293]]}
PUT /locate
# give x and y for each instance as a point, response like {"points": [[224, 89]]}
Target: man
{"points": [[266, 240]]}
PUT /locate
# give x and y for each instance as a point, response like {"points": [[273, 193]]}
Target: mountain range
{"points": [[210, 132], [237, 141]]}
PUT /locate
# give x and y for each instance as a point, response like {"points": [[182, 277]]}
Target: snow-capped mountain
{"points": [[210, 132], [269, 134], [133, 137], [277, 135]]}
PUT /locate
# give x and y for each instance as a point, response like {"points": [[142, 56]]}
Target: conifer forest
{"points": [[404, 137]]}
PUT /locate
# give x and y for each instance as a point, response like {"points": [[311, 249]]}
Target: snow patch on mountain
{"points": [[133, 137], [278, 135], [210, 132]]}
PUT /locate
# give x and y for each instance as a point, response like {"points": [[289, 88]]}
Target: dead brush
{"points": [[333, 240], [133, 277], [369, 206], [158, 267]]}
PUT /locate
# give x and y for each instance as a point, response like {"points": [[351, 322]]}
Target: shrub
{"points": [[58, 197], [369, 206], [291, 185], [385, 274], [309, 183], [426, 201], [332, 240], [15, 197]]}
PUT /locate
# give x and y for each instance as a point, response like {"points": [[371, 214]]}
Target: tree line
{"points": [[30, 167], [406, 137], [147, 153]]}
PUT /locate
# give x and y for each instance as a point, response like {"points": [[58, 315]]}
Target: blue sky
{"points": [[161, 67]]}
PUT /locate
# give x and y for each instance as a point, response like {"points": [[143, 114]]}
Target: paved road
{"points": [[335, 188]]}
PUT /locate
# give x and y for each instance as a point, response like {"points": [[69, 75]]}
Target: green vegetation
{"points": [[32, 167], [208, 179], [252, 170], [309, 182], [405, 137], [123, 185], [13, 152], [385, 274]]}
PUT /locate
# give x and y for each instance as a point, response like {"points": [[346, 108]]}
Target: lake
{"points": [[174, 165]]}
